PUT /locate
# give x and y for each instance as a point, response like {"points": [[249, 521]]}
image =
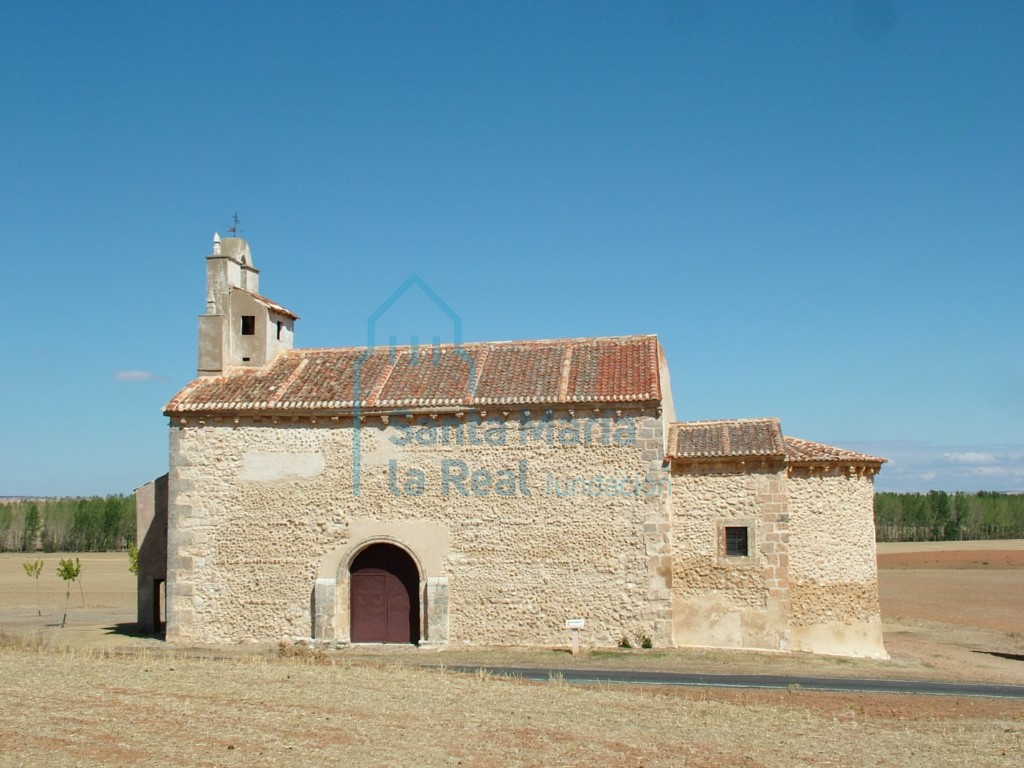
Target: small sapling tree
{"points": [[33, 570], [70, 571], [133, 558]]}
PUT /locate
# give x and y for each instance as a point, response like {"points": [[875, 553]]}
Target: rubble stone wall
{"points": [[833, 567], [532, 519]]}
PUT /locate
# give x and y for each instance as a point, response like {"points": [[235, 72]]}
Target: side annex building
{"points": [[484, 494]]}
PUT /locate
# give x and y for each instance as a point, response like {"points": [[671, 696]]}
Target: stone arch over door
{"points": [[384, 595], [426, 543]]}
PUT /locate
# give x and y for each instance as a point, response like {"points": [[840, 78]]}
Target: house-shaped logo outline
{"points": [[414, 280]]}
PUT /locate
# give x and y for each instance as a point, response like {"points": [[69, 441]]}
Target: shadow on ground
{"points": [[1001, 655], [131, 629]]}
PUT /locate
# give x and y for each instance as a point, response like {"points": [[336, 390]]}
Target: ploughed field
{"points": [[977, 584], [91, 693]]}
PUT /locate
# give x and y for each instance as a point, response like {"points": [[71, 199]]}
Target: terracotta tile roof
{"points": [[754, 438], [272, 305], [807, 452], [732, 439], [621, 369]]}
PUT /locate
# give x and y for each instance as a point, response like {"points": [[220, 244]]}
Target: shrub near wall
{"points": [[74, 524]]}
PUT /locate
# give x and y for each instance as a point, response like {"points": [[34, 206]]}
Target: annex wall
{"points": [[722, 601], [151, 546], [833, 568], [526, 520]]}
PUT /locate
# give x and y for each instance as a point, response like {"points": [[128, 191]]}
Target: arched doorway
{"points": [[384, 593]]}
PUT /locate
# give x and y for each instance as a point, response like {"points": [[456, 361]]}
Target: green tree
{"points": [[133, 558], [940, 514], [87, 525], [69, 571], [111, 522], [6, 519], [33, 571], [31, 529]]}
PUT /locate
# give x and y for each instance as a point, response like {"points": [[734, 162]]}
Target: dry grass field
{"points": [[93, 694]]}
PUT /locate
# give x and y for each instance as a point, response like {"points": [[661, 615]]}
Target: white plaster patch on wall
{"points": [[275, 466]]}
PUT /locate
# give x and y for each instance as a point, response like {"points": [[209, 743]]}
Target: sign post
{"points": [[575, 625]]}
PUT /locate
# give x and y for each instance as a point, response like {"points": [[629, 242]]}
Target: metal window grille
{"points": [[736, 541]]}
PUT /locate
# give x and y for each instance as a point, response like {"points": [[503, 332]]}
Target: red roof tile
{"points": [[754, 438], [733, 439], [564, 371], [807, 452], [272, 305]]}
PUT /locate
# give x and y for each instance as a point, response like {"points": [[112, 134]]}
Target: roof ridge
{"points": [[476, 374], [727, 421], [655, 363], [374, 394], [566, 372], [507, 342], [283, 386]]}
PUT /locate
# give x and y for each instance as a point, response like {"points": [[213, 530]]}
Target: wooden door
{"points": [[380, 608]]}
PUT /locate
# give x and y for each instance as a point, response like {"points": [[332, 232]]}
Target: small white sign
{"points": [[574, 623]]}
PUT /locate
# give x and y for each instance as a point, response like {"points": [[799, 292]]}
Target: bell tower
{"points": [[240, 327]]}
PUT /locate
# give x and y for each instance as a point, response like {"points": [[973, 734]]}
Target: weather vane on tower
{"points": [[234, 230]]}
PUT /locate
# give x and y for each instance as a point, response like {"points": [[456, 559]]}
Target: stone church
{"points": [[487, 494]]}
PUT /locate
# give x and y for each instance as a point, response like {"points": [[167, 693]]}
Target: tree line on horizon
{"points": [[74, 524], [107, 523], [942, 516]]}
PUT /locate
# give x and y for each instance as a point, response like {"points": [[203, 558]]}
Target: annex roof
{"points": [[731, 438], [621, 369], [754, 439], [806, 452]]}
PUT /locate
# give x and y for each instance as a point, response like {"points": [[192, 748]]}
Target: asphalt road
{"points": [[844, 685]]}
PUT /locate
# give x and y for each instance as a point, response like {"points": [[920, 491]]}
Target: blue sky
{"points": [[816, 206]]}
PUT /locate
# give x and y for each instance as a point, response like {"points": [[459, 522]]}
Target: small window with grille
{"points": [[736, 541]]}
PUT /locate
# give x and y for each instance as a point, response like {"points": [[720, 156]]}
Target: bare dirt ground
{"points": [[92, 693], [956, 612]]}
